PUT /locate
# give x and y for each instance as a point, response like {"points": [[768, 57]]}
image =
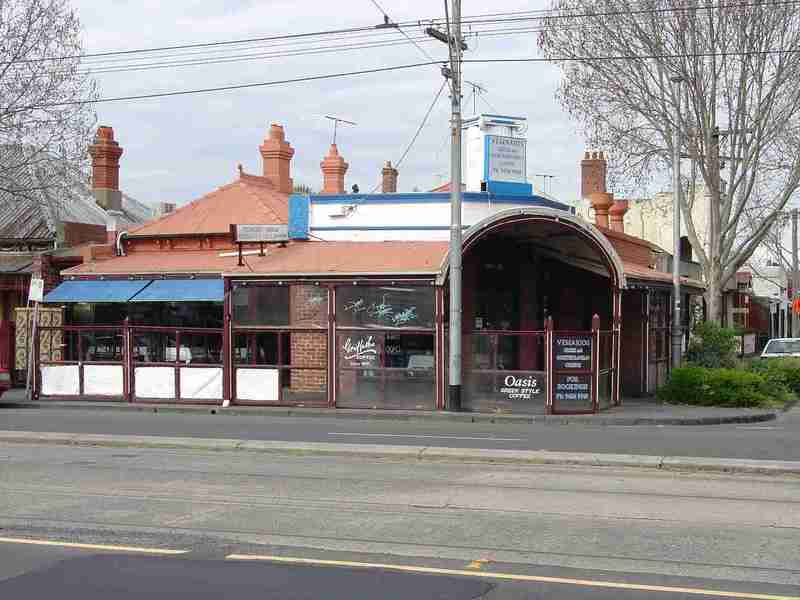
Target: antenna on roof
{"points": [[477, 89], [336, 121]]}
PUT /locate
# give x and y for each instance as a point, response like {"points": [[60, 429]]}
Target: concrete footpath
{"points": [[409, 453], [633, 412]]}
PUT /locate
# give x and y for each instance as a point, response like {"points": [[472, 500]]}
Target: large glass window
{"points": [[385, 370], [296, 305], [385, 307]]}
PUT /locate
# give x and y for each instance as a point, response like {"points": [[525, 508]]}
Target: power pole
{"points": [[677, 330], [454, 394], [795, 278], [455, 47]]}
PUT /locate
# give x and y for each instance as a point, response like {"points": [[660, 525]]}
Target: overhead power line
{"points": [[409, 66], [241, 86], [419, 129], [488, 18]]}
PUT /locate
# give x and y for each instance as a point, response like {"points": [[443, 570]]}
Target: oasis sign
{"points": [[523, 386]]}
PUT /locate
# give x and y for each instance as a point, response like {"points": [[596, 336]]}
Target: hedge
{"points": [[779, 371], [724, 387]]}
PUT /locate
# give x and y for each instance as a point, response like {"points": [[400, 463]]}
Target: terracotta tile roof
{"points": [[249, 199], [297, 258]]}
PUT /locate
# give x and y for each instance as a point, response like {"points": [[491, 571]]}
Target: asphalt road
{"points": [[776, 440], [384, 529], [77, 575]]}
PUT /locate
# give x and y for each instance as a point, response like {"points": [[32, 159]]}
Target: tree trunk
{"points": [[713, 298]]}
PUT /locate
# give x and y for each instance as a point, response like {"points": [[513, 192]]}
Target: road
{"points": [[777, 440], [217, 524]]}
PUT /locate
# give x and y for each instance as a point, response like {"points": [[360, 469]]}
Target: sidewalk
{"points": [[633, 412]]}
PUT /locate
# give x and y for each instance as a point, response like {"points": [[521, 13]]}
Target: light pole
{"points": [[677, 333]]}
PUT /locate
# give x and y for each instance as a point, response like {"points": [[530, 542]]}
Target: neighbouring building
{"points": [[56, 222], [254, 295]]}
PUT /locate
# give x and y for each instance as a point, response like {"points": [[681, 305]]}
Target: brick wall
{"points": [[308, 308]]}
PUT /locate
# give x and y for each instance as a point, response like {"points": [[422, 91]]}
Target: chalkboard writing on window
{"points": [[384, 307]]}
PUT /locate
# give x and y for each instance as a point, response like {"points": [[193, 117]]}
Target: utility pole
{"points": [[455, 46], [795, 278], [677, 331], [454, 393]]}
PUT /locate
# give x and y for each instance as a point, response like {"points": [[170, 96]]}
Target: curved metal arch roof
{"points": [[588, 230]]}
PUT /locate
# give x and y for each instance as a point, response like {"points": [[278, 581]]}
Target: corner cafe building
{"points": [[252, 295]]}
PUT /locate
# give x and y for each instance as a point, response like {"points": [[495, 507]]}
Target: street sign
{"points": [[36, 290]]}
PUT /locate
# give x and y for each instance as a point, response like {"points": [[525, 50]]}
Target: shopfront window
{"points": [[295, 305], [385, 307], [280, 343], [385, 347]]}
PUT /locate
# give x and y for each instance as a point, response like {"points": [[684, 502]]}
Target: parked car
{"points": [[781, 347]]}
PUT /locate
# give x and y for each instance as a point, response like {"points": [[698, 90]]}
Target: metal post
{"points": [[795, 279], [454, 394], [677, 333]]}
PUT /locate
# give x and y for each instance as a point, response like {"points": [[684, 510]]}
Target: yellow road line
{"points": [[515, 577], [79, 546]]}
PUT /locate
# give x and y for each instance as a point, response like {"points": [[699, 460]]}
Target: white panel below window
{"points": [[154, 382], [201, 383], [257, 384], [60, 380], [102, 380]]}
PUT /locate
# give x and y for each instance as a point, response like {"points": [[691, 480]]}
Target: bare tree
{"points": [[740, 65], [45, 108]]}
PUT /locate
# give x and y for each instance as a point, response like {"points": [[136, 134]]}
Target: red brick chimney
{"points": [[105, 153], [601, 203], [277, 154], [333, 170], [389, 180], [617, 215], [593, 174]]}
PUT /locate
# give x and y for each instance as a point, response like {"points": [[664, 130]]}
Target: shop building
{"points": [[254, 295]]}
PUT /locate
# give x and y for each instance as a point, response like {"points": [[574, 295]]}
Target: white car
{"points": [[781, 347]]}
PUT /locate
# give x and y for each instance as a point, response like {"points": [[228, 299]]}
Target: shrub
{"points": [[712, 346], [779, 371], [721, 387]]}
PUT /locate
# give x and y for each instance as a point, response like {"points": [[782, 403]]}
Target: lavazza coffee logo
{"points": [[520, 388]]}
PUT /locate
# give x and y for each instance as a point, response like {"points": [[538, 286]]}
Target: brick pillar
{"points": [[389, 179], [593, 174], [617, 215], [308, 349], [105, 153], [601, 203], [333, 170], [277, 154]]}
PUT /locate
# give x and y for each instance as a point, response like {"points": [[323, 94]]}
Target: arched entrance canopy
{"points": [[507, 219]]}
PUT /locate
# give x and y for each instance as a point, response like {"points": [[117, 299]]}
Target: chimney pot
{"points": [[617, 215], [601, 203], [105, 153], [333, 170], [389, 179], [277, 155], [593, 174]]}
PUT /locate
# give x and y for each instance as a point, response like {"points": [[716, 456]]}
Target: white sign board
{"points": [[506, 158], [261, 233], [36, 291]]}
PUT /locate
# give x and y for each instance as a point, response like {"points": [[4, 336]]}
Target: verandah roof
{"points": [[146, 290]]}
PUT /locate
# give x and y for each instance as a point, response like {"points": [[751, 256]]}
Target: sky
{"points": [[179, 148]]}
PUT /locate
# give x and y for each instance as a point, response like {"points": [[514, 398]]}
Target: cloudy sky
{"points": [[179, 148]]}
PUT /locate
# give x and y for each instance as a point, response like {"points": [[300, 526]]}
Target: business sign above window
{"points": [[505, 159], [260, 233]]}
